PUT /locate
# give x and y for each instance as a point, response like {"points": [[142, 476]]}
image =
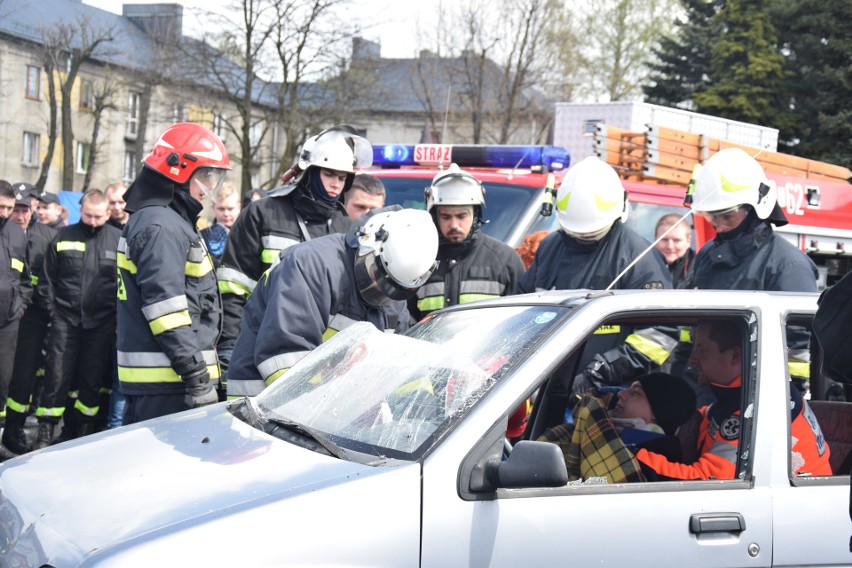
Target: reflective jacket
{"points": [[301, 302], [564, 263], [263, 229], [718, 441], [169, 310], [78, 280], [474, 270], [39, 237], [15, 286]]}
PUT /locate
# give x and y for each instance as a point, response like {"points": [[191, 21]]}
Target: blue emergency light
{"points": [[550, 158]]}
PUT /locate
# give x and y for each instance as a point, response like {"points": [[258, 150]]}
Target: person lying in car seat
{"points": [[609, 425]]}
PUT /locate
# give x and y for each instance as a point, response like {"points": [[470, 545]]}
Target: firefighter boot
{"points": [[44, 436], [15, 439]]}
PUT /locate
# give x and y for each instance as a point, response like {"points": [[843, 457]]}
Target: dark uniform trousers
{"points": [[29, 359], [81, 359], [8, 340]]}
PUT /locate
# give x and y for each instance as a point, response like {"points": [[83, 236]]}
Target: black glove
{"points": [[199, 390]]}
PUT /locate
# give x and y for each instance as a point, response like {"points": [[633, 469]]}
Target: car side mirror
{"points": [[531, 464]]}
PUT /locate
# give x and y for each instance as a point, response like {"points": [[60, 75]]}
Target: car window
{"points": [[615, 340], [820, 413]]}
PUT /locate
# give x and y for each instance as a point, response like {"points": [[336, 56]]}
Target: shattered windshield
{"points": [[391, 395]]}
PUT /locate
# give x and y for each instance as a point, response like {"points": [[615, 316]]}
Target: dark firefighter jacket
{"points": [[301, 302], [564, 263], [169, 310], [480, 268], [78, 280], [15, 286], [39, 237], [263, 229], [615, 354], [756, 258]]}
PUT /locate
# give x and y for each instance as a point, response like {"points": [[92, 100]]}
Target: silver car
{"points": [[384, 450]]}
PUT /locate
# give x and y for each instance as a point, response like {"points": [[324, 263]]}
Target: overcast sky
{"points": [[392, 22]]}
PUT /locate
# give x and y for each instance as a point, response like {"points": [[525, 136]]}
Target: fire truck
{"points": [[816, 197]]}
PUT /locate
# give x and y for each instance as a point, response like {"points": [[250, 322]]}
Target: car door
{"points": [[714, 523]]}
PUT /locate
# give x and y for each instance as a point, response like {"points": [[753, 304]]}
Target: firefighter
{"points": [[325, 285], [78, 290], [592, 249], [718, 358], [734, 195], [300, 211], [169, 310], [471, 265], [15, 287], [32, 334]]}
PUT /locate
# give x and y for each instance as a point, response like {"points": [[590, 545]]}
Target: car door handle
{"points": [[716, 522]]}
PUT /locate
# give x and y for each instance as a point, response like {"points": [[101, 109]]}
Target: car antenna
{"points": [[682, 218]]}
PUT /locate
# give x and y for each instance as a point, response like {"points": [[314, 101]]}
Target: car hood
{"points": [[122, 488]]}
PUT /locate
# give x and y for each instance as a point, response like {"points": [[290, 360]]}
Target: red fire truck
{"points": [[516, 177]]}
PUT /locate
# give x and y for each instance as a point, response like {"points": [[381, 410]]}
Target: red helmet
{"points": [[183, 148]]}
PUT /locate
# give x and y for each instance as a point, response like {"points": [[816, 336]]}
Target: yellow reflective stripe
{"points": [[226, 287], [70, 245], [608, 329], [85, 410], [274, 376], [34, 280], [799, 369], [685, 335], [170, 321], [17, 265], [123, 262], [468, 298], [55, 412], [157, 374], [269, 256], [430, 304], [329, 333], [199, 269], [648, 348], [17, 406]]}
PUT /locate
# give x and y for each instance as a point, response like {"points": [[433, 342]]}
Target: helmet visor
{"points": [[210, 180], [375, 285]]}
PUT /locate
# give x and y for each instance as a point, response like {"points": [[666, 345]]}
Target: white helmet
{"points": [[731, 178], [590, 199], [337, 148], [396, 255], [455, 187]]}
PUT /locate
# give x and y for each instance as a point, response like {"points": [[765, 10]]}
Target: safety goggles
{"points": [[722, 215]]}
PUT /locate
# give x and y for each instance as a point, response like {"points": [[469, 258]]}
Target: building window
{"points": [[33, 87], [129, 166], [87, 95], [178, 112], [132, 115], [29, 157], [84, 151], [219, 125]]}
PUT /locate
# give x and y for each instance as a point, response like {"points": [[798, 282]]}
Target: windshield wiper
{"points": [[302, 431]]}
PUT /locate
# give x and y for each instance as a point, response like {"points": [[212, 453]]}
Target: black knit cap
{"points": [[672, 399]]}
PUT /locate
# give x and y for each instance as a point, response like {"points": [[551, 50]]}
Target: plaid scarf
{"points": [[592, 447]]}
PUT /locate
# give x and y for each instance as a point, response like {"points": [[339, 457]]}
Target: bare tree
{"points": [[307, 44], [618, 40], [65, 47], [103, 99]]}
